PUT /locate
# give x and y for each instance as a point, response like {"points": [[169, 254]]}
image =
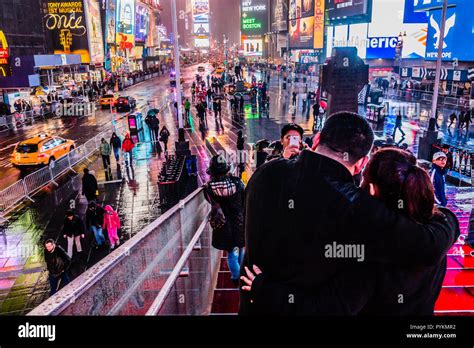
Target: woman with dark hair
{"points": [[393, 177], [225, 192]]}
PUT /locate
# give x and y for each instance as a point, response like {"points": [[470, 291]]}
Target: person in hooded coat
{"points": [[226, 192], [127, 147], [111, 224]]}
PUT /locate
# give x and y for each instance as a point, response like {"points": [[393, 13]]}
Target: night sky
{"points": [[225, 19]]}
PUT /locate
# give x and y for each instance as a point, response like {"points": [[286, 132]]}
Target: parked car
{"points": [[41, 149], [126, 104]]}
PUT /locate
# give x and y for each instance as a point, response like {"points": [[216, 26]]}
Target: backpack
{"points": [[217, 218]]}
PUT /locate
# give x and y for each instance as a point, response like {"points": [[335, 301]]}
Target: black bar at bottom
{"points": [[448, 331]]}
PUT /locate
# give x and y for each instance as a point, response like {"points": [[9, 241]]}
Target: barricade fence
{"points": [[462, 159], [11, 196]]}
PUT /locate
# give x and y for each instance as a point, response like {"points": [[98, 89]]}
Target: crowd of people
{"points": [[354, 229]]}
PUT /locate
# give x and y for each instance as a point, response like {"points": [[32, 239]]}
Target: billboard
{"points": [[110, 21], [201, 29], [5, 69], [142, 23], [201, 11], [319, 24], [279, 15], [301, 23], [340, 9], [202, 43], [458, 35], [302, 33], [254, 17], [94, 28], [425, 5], [300, 8], [125, 37], [379, 38], [65, 27], [253, 47]]}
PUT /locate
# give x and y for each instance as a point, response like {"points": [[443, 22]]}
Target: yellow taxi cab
{"points": [[107, 100], [42, 149]]}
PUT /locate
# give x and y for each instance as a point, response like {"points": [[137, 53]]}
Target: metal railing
{"points": [[25, 188], [415, 95], [167, 268], [13, 195]]}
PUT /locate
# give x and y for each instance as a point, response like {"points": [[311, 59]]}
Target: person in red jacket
{"points": [[127, 147], [112, 224]]}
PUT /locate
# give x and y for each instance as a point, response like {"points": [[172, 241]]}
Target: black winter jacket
{"points": [[296, 208], [57, 261], [73, 228], [95, 217], [369, 289], [228, 192], [115, 142], [89, 185]]}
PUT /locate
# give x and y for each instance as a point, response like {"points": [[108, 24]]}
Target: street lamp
{"points": [[180, 144]]}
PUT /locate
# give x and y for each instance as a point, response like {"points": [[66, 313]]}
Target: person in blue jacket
{"points": [[437, 175]]}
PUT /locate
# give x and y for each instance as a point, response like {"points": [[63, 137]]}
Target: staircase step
{"points": [[459, 278], [225, 301], [224, 281], [455, 300]]}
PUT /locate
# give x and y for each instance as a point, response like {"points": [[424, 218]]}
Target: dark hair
{"points": [[400, 180], [69, 213], [347, 133], [47, 241], [86, 171], [291, 126]]}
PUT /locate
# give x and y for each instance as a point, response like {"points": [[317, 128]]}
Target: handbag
{"points": [[216, 216]]}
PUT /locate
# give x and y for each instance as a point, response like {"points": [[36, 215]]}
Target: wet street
{"points": [[23, 279]]}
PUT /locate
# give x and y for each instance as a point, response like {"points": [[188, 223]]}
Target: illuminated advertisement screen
{"points": [[302, 33], [458, 34], [319, 24], [379, 38], [202, 43], [142, 23], [201, 29], [425, 5], [253, 47], [279, 15], [338, 9], [200, 11], [94, 27], [110, 21], [301, 8], [254, 17], [125, 24], [65, 27]]}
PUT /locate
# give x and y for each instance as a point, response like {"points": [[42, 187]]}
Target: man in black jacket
{"points": [[57, 262], [89, 186], [73, 230], [311, 203]]}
